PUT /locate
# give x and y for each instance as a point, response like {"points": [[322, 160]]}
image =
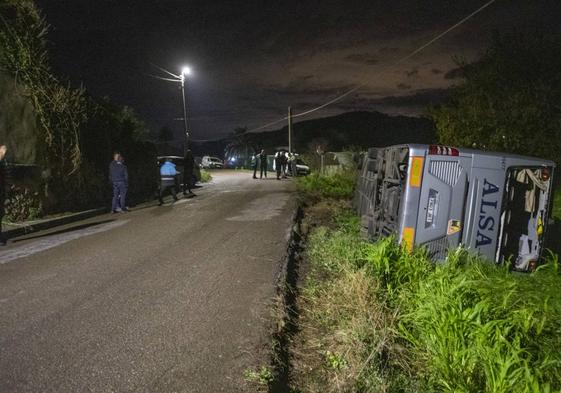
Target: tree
{"points": [[510, 99], [241, 144], [60, 110], [75, 132], [165, 134]]}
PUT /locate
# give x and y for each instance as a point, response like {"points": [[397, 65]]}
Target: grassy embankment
{"points": [[374, 318]]}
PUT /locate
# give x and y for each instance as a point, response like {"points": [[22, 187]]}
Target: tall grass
{"points": [[376, 318], [336, 186]]}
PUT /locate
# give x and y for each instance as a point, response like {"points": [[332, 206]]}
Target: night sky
{"points": [[252, 59]]}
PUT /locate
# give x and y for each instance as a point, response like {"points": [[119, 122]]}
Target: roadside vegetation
{"points": [[205, 176], [316, 186], [375, 318], [509, 94], [64, 134]]}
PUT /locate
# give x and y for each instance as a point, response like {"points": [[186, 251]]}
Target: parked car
{"points": [[179, 164], [441, 197], [212, 162], [302, 169]]}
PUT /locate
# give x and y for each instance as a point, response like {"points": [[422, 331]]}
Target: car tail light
{"points": [[440, 150]]}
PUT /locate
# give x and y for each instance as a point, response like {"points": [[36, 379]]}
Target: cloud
{"points": [[413, 73], [363, 58], [455, 73], [412, 104], [388, 50], [312, 90]]}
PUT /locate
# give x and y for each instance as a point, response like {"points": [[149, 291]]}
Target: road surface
{"points": [[163, 299]]}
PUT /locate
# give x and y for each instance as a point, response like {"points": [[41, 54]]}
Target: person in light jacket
{"points": [[168, 180]]}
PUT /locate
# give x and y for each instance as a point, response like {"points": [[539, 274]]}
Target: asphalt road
{"points": [[162, 299]]}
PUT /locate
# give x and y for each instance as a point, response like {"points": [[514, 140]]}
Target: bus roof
{"points": [[422, 148]]}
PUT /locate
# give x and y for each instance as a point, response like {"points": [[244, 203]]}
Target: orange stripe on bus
{"points": [[408, 238], [416, 173]]}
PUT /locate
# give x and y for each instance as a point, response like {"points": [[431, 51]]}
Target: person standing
{"points": [[3, 186], [292, 164], [284, 162], [119, 177], [168, 176], [278, 164], [188, 169], [263, 163], [254, 165]]}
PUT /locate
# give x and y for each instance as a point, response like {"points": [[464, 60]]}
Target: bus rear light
{"points": [[439, 150]]}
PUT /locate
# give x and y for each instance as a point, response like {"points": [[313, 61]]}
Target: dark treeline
{"points": [[66, 134]]}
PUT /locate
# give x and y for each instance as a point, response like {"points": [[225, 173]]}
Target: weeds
{"points": [[375, 318], [22, 204], [262, 376], [337, 186], [205, 176]]}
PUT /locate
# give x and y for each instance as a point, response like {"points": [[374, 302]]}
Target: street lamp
{"points": [[185, 71]]}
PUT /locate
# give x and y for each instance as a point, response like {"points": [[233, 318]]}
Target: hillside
{"points": [[362, 129]]}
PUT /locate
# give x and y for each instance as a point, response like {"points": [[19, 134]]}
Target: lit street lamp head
{"points": [[185, 71]]}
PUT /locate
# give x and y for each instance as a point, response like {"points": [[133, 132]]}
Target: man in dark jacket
{"points": [[263, 163], [119, 177], [3, 187], [254, 165], [188, 169]]}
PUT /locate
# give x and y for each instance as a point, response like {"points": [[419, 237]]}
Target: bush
{"points": [[205, 176], [22, 205], [395, 321], [336, 186]]}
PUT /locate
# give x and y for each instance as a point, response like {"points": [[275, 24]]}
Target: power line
{"points": [[383, 70]]}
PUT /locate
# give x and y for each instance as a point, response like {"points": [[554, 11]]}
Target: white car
{"points": [[209, 162]]}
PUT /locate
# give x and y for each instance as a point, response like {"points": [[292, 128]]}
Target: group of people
{"points": [[169, 177], [169, 180], [283, 161]]}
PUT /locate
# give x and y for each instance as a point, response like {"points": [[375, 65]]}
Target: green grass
{"points": [[261, 376], [205, 176], [337, 186], [376, 318]]}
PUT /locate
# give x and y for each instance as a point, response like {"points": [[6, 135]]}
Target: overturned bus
{"points": [[440, 197]]}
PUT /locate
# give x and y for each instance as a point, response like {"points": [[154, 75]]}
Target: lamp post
{"points": [[185, 71]]}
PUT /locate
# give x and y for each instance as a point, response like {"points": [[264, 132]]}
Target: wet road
{"points": [[163, 299]]}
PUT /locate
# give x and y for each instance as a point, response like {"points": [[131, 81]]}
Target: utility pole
{"points": [[289, 129], [184, 113]]}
